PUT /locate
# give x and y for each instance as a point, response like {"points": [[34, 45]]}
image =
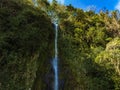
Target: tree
{"points": [[110, 59]]}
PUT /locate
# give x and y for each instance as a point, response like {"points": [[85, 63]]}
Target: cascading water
{"points": [[55, 60]]}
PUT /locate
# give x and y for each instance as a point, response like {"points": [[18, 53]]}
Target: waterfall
{"points": [[55, 60]]}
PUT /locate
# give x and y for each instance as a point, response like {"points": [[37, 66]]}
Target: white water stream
{"points": [[55, 60]]}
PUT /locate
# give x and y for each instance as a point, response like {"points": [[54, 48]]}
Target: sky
{"points": [[96, 4]]}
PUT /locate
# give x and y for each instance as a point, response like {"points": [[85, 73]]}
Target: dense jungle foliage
{"points": [[88, 43]]}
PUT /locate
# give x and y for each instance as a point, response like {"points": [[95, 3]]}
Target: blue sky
{"points": [[98, 4]]}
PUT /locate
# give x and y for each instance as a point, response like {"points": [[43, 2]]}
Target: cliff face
{"points": [[26, 46], [88, 49]]}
